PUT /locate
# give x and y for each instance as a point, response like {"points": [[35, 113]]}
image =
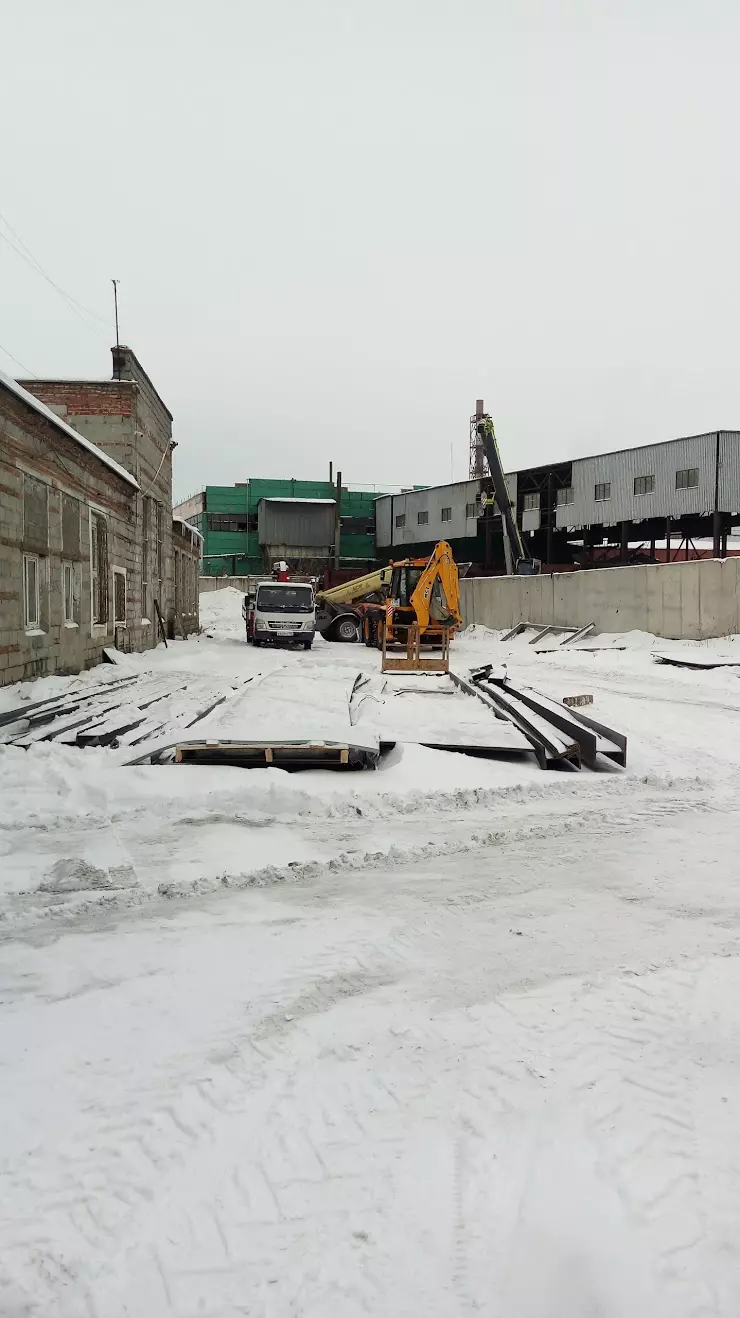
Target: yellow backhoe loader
{"points": [[420, 592]]}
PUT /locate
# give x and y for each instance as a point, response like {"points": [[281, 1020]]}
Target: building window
{"points": [[422, 518], [231, 522], [119, 597], [146, 521], [564, 496], [687, 479], [31, 601], [160, 543], [178, 582], [603, 491], [400, 521], [71, 592], [471, 510], [99, 569], [70, 526], [644, 484], [531, 500], [446, 515], [35, 513]]}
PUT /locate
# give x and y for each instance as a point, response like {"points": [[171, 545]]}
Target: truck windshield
{"points": [[285, 599]]}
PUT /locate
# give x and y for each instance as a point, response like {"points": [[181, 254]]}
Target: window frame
{"points": [[471, 511], [637, 480], [527, 505], [445, 514], [564, 503], [32, 624], [40, 545], [119, 572], [687, 484], [70, 570], [400, 521], [422, 517], [98, 625], [606, 496]]}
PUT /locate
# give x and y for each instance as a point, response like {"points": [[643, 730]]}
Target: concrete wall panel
{"points": [[682, 601]]}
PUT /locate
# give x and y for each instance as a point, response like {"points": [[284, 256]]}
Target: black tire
{"points": [[307, 644], [346, 630]]}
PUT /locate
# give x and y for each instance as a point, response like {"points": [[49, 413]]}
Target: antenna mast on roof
{"points": [[115, 283]]}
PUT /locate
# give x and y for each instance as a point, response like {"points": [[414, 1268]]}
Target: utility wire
{"points": [[39, 267], [18, 363], [69, 300]]}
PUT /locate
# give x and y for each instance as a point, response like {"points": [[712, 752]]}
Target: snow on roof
{"points": [[13, 387], [279, 499], [187, 526]]}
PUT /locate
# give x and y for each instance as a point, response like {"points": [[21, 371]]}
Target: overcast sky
{"points": [[336, 223]]}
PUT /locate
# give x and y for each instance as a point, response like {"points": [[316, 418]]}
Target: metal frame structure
{"points": [[412, 662]]}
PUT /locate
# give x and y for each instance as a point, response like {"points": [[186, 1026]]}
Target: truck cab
{"points": [[280, 613]]}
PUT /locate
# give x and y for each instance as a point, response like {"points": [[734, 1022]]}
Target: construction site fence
{"points": [[681, 601]]}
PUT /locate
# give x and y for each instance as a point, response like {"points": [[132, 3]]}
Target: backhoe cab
{"points": [[424, 593]]}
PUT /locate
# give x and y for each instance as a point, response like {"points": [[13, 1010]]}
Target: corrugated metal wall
{"points": [[222, 547], [383, 523], [729, 472], [429, 503], [296, 525], [661, 461]]}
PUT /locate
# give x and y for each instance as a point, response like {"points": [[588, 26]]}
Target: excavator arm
{"points": [[436, 597]]}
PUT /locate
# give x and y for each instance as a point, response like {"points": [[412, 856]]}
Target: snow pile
{"points": [[221, 612]]}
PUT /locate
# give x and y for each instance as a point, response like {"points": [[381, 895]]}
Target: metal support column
{"points": [[550, 519], [338, 519]]}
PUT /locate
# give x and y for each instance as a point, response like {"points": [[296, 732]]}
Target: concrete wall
{"points": [[682, 601]]}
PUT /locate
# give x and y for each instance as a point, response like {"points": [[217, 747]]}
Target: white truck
{"points": [[280, 612]]}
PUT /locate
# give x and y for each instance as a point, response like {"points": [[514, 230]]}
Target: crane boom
{"points": [[524, 564]]}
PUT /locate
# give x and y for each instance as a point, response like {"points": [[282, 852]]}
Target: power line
{"points": [[103, 320], [17, 362], [33, 263]]}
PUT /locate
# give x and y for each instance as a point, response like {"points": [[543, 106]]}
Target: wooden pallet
{"points": [[260, 755], [412, 662]]}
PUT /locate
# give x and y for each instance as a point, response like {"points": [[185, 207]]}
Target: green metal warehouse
{"points": [[226, 516]]}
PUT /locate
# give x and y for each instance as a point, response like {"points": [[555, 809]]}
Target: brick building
{"points": [[88, 548]]}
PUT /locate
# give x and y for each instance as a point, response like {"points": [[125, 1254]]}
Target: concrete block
{"points": [[672, 608]]}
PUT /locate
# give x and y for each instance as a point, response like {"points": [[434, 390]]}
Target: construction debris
{"points": [[693, 659], [535, 632], [334, 717], [559, 733], [124, 711]]}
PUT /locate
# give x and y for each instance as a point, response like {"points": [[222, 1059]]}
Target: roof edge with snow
{"points": [[278, 498], [13, 387]]}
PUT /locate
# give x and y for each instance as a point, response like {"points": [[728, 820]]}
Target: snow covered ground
{"points": [[457, 1036]]}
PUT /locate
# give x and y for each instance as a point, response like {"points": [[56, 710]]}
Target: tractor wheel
{"points": [[346, 630]]}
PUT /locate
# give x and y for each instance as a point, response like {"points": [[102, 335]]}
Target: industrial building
{"points": [[90, 556], [612, 507], [247, 526]]}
